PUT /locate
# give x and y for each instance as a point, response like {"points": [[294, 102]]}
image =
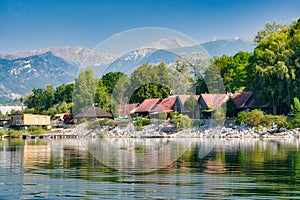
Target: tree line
{"points": [[271, 71]]}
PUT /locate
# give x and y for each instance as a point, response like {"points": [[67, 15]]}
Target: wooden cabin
{"points": [[30, 120]]}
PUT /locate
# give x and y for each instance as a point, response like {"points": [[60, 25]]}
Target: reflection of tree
{"points": [[138, 155]]}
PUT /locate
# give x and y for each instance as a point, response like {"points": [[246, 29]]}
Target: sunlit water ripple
{"points": [[196, 169]]}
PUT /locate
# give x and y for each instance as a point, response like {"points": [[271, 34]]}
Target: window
{"points": [[44, 121]]}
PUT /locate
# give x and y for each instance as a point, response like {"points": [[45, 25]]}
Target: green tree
{"points": [[213, 79], [111, 79], [48, 97], [268, 30], [191, 105], [230, 108], [149, 82], [84, 91], [233, 70], [295, 108], [201, 87], [274, 70], [63, 93], [101, 95]]}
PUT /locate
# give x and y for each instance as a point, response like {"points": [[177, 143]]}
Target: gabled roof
{"points": [[214, 100], [183, 98], [147, 105], [166, 105], [241, 98], [92, 111], [127, 109], [254, 104]]}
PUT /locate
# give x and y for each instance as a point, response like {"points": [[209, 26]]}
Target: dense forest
{"points": [[272, 72]]}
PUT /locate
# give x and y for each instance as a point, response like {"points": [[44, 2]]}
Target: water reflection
{"points": [[176, 168]]}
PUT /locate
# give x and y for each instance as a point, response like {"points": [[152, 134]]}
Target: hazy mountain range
{"points": [[20, 72]]}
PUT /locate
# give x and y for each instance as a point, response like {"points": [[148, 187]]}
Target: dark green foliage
{"points": [[201, 86], [274, 70], [230, 108], [111, 79], [149, 82], [295, 109], [63, 93], [233, 70]]}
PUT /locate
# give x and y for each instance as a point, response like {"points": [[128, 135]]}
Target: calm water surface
{"points": [[150, 169]]}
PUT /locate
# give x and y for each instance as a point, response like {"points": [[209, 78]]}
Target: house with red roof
{"points": [[246, 101], [146, 107], [179, 105], [209, 102], [92, 112], [127, 110], [161, 109], [166, 105], [242, 99]]}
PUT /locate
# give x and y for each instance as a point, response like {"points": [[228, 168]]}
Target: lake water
{"points": [[150, 169]]}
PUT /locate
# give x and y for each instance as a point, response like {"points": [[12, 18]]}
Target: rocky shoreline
{"points": [[216, 132], [81, 131]]}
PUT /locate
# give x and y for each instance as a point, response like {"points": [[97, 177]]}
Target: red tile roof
{"points": [[166, 105], [147, 105], [214, 100], [254, 104], [125, 109], [183, 98], [240, 98]]}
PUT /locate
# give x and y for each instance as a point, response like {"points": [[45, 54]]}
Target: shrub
{"points": [[241, 118], [268, 120], [13, 133], [92, 125], [102, 133], [3, 133], [140, 122], [255, 117], [35, 130], [186, 122]]}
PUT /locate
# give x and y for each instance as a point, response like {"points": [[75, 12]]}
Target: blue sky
{"points": [[26, 25]]}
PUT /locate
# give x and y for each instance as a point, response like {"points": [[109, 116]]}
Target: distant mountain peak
{"points": [[168, 43]]}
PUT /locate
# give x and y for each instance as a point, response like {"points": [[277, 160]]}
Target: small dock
{"points": [[52, 136]]}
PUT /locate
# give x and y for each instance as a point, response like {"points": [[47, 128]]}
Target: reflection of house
{"points": [[146, 106], [127, 110], [30, 120], [92, 113], [36, 154]]}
